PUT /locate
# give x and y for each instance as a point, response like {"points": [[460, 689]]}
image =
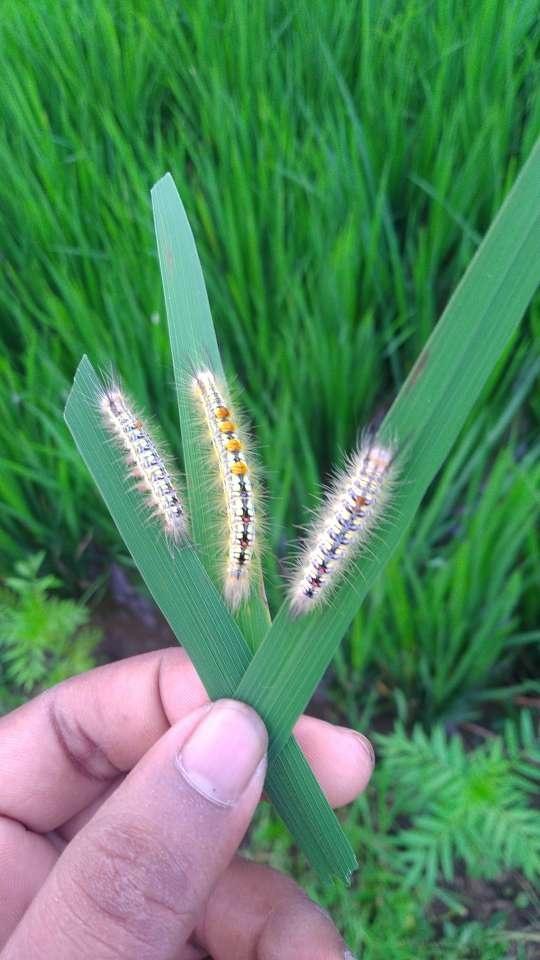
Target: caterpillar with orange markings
{"points": [[235, 484]]}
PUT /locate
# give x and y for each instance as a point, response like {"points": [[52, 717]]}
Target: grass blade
{"points": [[428, 414], [193, 341], [177, 580]]}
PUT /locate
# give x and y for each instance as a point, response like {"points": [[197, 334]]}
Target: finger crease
{"points": [[81, 751], [158, 680]]}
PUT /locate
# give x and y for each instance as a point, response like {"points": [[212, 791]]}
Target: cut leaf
{"points": [[194, 344], [425, 420]]}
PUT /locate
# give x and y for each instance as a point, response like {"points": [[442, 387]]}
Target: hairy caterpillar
{"points": [[352, 508], [235, 484], [146, 463]]}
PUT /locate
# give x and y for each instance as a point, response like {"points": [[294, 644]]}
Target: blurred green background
{"points": [[339, 163]]}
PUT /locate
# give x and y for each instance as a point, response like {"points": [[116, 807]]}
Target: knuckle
{"points": [[7, 828], [131, 881], [81, 751]]}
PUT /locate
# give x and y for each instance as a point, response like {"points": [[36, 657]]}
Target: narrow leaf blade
{"points": [[194, 344], [428, 414]]}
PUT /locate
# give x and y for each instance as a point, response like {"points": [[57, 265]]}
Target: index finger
{"points": [[62, 751]]}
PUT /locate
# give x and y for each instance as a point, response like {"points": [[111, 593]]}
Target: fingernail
{"points": [[224, 751], [348, 955], [366, 747]]}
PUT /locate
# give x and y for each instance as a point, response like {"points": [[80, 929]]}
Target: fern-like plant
{"points": [[43, 638], [473, 807]]}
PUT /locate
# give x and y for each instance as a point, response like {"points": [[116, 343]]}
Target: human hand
{"points": [[124, 795]]}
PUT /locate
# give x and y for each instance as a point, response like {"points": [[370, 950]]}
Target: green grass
{"points": [[339, 163], [338, 166]]}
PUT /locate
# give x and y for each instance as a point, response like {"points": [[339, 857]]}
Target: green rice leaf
{"points": [[174, 575], [432, 407], [193, 343]]}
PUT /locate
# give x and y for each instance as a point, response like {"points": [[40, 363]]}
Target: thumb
{"points": [[136, 878]]}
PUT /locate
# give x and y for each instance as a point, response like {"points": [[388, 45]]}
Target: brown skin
{"points": [[108, 847]]}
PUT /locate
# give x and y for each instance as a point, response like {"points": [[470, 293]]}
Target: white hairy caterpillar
{"points": [[145, 461], [235, 483], [351, 510]]}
